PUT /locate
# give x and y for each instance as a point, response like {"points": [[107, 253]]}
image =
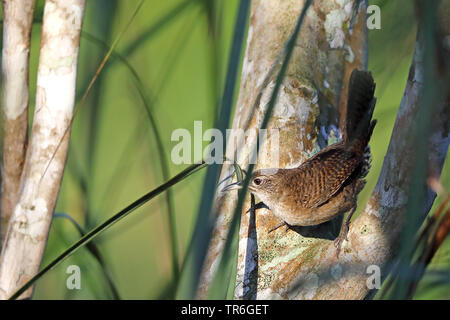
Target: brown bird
{"points": [[328, 183]]}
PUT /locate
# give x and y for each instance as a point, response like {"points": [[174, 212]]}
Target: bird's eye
{"points": [[257, 181]]}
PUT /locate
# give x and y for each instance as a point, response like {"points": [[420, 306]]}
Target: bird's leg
{"points": [[262, 205], [345, 227], [259, 205], [278, 226]]}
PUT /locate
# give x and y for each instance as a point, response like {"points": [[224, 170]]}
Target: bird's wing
{"points": [[323, 175]]}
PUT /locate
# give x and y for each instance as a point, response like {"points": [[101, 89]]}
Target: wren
{"points": [[327, 184]]}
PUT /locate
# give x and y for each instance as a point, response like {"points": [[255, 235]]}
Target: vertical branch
{"points": [[17, 23], [46, 154]]}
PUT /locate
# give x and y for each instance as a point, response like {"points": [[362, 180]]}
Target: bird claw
{"points": [[340, 240]]}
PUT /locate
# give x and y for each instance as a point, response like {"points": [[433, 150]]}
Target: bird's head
{"points": [[263, 184]]}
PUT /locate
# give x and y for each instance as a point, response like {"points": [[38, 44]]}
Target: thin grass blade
{"points": [[93, 249], [110, 222]]}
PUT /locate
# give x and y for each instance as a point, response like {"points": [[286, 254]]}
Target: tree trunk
{"points": [[302, 264], [45, 159], [17, 23]]}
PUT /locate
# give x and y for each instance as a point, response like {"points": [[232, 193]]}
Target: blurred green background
{"points": [[179, 49]]}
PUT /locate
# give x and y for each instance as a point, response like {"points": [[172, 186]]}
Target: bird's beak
{"points": [[233, 186]]}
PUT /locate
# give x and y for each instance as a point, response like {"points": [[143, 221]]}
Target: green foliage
{"points": [[86, 238]]}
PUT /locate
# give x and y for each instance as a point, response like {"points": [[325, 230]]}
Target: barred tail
{"points": [[360, 105]]}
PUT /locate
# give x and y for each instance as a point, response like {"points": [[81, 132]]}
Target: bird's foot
{"points": [[259, 205], [338, 244], [280, 225], [340, 240], [345, 227]]}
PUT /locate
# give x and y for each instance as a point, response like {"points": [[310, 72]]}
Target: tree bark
{"points": [[332, 42], [17, 23], [303, 264], [45, 160]]}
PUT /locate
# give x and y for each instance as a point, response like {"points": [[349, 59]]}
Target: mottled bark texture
{"points": [[46, 154], [302, 263], [17, 23]]}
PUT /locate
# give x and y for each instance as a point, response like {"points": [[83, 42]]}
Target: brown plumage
{"points": [[328, 183]]}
